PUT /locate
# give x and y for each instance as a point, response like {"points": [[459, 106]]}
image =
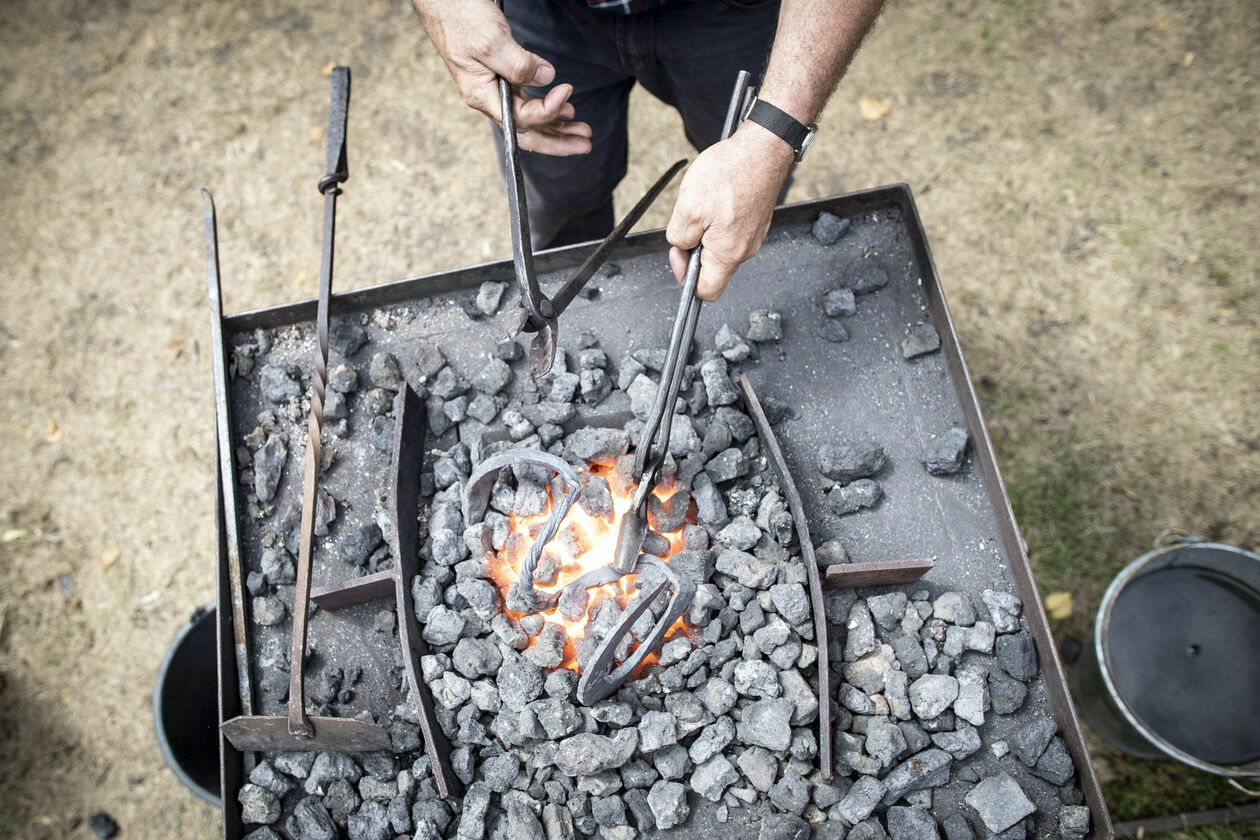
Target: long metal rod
{"points": [[774, 454], [574, 284], [226, 462]]}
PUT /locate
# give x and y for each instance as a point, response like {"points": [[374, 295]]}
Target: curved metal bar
{"points": [[477, 496]]}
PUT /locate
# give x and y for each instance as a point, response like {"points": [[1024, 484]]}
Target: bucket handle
{"points": [[1176, 536]]}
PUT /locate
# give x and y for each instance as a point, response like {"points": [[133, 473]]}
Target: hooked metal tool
{"points": [[538, 313], [297, 730]]}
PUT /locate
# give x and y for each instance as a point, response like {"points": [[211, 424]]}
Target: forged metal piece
{"points": [[477, 496], [297, 730], [404, 505], [600, 678], [774, 454]]}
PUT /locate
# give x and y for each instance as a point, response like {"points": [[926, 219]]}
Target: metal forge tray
{"points": [[861, 387]]}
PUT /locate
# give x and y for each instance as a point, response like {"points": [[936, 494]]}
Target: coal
{"points": [[955, 608], [861, 800], [1004, 608], [276, 384], [472, 818], [258, 805], [311, 821], [385, 373], [1030, 740], [727, 465], [1073, 822], [103, 825], [850, 498], [1017, 655], [1000, 802], [1055, 764], [443, 626], [766, 723], [839, 302], [731, 345], [712, 778], [765, 325], [668, 801], [587, 753], [791, 602], [921, 340], [829, 228], [342, 379], [749, 570], [945, 455], [657, 730], [957, 828], [266, 776], [849, 460], [596, 445], [267, 610], [717, 383], [489, 295], [864, 276], [268, 466], [833, 332], [493, 378]]}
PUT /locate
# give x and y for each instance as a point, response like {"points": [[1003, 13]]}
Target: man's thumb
{"points": [[518, 65]]}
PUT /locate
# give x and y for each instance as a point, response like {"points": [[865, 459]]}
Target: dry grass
{"points": [[1089, 189]]}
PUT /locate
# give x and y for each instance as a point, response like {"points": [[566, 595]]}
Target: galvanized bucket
{"points": [[185, 707], [1173, 670]]}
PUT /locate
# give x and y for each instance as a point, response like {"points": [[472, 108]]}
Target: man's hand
{"points": [[475, 41], [724, 203]]}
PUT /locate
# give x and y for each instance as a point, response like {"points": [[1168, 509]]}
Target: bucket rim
{"points": [[1102, 631], [202, 613]]}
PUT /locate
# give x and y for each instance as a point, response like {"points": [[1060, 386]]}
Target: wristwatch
{"points": [[779, 122]]}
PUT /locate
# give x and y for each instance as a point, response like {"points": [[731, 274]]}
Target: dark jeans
{"points": [[686, 53]]}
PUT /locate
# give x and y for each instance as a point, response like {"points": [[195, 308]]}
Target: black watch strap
{"points": [[781, 123]]}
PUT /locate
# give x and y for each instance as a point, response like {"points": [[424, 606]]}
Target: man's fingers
{"points": [[555, 107], [678, 259], [559, 142], [715, 274], [685, 227]]}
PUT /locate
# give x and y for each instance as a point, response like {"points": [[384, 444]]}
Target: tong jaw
{"points": [[601, 676]]}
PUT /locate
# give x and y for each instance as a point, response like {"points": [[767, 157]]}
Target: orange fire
{"points": [[595, 540]]}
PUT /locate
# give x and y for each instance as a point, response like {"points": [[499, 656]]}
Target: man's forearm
{"points": [[729, 214], [814, 43]]}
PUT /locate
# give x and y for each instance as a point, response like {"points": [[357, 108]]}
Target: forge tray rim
{"points": [[895, 196]]}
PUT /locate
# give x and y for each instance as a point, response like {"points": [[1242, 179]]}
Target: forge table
{"points": [[862, 387]]}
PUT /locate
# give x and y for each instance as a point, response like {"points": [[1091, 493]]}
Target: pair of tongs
{"points": [[634, 537], [538, 313]]}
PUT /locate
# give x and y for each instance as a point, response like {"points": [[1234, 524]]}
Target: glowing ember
{"points": [[584, 543]]}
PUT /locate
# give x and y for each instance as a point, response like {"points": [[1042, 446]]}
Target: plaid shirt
{"points": [[625, 7]]}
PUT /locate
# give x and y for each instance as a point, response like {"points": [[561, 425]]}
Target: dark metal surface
{"points": [[1186, 687], [965, 521], [876, 573], [774, 454]]}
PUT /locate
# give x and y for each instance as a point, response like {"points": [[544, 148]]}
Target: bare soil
{"points": [[1086, 172]]}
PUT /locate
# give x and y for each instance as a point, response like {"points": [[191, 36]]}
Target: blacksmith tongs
{"points": [[634, 537], [537, 312]]}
